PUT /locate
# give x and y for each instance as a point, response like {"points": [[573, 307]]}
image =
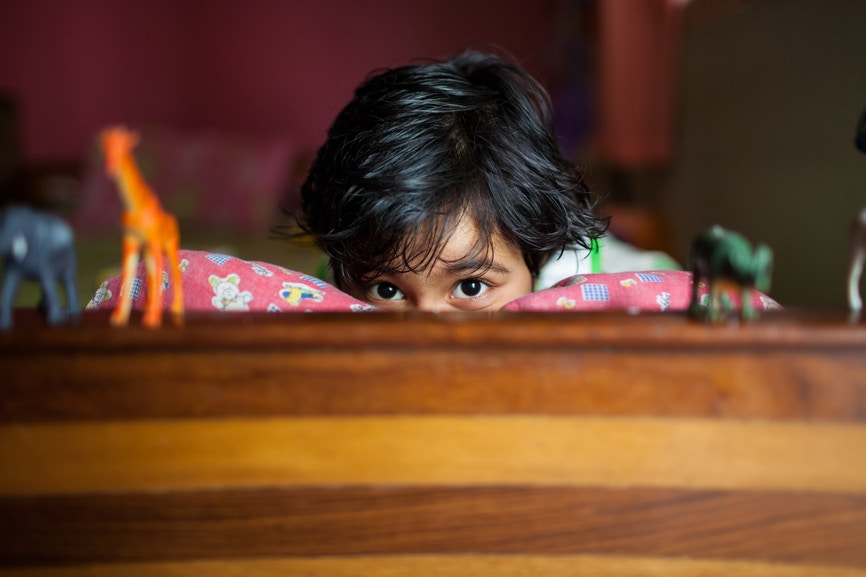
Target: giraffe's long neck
{"points": [[133, 190]]}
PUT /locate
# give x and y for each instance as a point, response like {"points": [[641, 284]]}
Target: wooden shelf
{"points": [[570, 444]]}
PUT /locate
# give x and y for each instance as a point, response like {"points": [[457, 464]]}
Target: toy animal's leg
{"points": [[695, 306], [152, 283], [153, 310], [177, 283], [71, 288], [172, 248], [11, 281], [858, 256], [747, 311], [120, 315], [710, 300], [714, 305], [54, 313], [855, 271]]}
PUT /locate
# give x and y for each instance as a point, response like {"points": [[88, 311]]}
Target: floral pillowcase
{"points": [[218, 282], [664, 290]]}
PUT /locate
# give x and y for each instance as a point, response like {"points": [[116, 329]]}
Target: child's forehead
{"points": [[465, 239], [458, 243]]}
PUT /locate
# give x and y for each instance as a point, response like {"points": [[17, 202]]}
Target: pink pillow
{"points": [[666, 290], [218, 282]]}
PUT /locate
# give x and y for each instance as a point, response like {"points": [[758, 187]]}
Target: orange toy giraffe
{"points": [[148, 230]]}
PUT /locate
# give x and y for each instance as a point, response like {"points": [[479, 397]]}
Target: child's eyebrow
{"points": [[473, 265]]}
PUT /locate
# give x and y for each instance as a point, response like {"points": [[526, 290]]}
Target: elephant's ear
{"points": [[20, 248]]}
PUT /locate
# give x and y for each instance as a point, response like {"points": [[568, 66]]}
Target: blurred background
{"points": [[683, 113]]}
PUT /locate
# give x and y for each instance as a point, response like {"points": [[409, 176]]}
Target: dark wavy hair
{"points": [[423, 145]]}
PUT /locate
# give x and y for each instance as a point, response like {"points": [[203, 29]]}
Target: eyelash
{"points": [[373, 290], [485, 286]]}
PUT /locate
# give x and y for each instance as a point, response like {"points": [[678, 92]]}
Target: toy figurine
{"points": [[858, 237], [38, 246], [148, 231], [855, 267], [727, 262]]}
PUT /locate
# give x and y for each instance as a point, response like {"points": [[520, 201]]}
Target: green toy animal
{"points": [[726, 261]]}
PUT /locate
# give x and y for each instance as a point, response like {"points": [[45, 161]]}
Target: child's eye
{"points": [[385, 291], [469, 288]]}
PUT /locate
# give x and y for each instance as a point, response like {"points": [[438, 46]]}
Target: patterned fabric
{"points": [[595, 292], [218, 282], [666, 290]]}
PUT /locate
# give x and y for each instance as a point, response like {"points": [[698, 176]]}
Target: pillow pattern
{"points": [[219, 282], [664, 290]]}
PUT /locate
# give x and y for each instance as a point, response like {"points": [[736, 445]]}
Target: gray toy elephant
{"points": [[39, 246]]}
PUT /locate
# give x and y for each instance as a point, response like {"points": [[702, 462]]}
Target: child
{"points": [[441, 187]]}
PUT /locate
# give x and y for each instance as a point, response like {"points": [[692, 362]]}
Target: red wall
{"points": [[75, 66], [259, 66]]}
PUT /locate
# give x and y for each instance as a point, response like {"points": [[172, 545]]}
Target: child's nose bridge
{"points": [[428, 301]]}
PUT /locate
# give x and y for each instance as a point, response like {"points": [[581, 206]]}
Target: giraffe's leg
{"points": [[131, 248], [172, 248], [147, 255], [177, 300], [153, 311]]}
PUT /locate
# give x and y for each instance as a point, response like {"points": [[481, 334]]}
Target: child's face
{"points": [[455, 282]]}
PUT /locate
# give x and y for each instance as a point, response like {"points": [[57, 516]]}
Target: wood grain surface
{"points": [[505, 444], [447, 566], [473, 451], [352, 520], [786, 367]]}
